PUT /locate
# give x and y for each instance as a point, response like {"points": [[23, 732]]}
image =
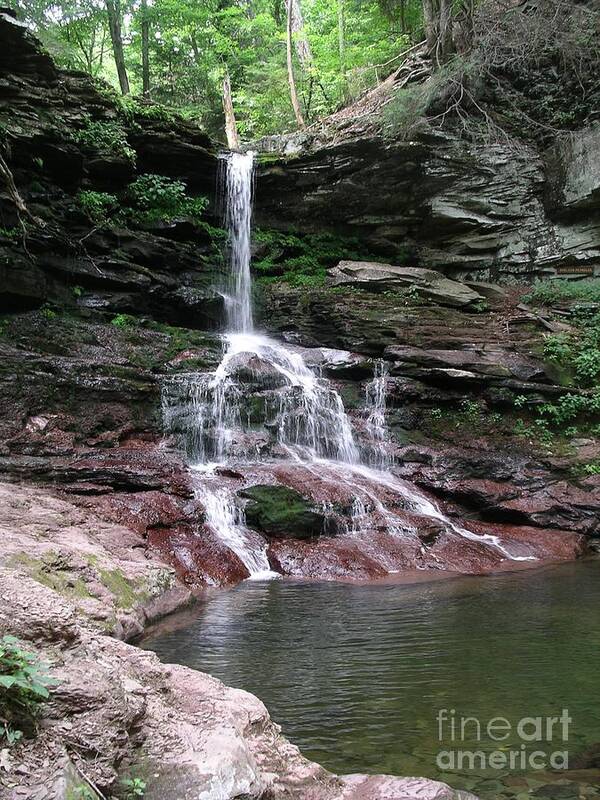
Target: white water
{"points": [[227, 520], [238, 217], [303, 408], [375, 403]]}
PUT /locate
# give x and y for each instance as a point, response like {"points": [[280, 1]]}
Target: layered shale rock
{"points": [[474, 211]]}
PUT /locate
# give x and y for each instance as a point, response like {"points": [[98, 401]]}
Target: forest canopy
{"points": [[177, 52], [249, 68]]}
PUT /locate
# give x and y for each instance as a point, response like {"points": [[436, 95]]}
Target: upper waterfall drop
{"points": [[269, 403], [237, 200]]}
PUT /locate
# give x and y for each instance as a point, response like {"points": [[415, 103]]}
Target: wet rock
{"points": [[281, 512], [384, 277], [361, 787], [255, 371]]}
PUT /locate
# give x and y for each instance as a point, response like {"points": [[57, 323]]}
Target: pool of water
{"points": [[360, 676]]}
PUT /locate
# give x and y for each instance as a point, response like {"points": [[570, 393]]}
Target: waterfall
{"points": [[213, 414], [238, 215], [375, 403], [227, 520]]}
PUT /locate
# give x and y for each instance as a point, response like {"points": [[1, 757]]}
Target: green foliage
{"points": [[190, 42], [23, 686], [555, 291], [134, 787], [10, 233], [123, 321], [133, 107], [570, 407], [158, 198], [302, 260], [77, 291], [592, 468], [537, 432], [472, 415], [48, 313], [413, 103], [97, 205], [108, 138]]}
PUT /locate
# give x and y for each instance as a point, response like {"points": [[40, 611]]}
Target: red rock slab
{"points": [[200, 559]]}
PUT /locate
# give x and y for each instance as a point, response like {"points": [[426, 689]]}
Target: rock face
{"points": [[66, 580], [474, 211], [423, 282], [168, 271]]}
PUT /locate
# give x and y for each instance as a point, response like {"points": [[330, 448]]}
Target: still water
{"points": [[357, 675]]}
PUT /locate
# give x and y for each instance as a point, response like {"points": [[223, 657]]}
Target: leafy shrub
{"points": [[302, 260], [48, 313], [591, 469], [554, 290], [23, 686], [571, 406], [108, 138], [123, 321], [158, 198], [134, 787], [97, 205], [131, 107], [10, 233]]}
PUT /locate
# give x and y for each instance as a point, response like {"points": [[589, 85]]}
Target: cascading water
{"points": [[375, 396], [237, 182], [215, 411]]}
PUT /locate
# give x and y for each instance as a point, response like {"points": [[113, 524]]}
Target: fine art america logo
{"points": [[532, 743]]}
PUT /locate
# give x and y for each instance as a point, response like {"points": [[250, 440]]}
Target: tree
{"points": [[301, 42], [290, 66], [342, 35], [113, 11], [145, 48], [448, 27], [231, 130]]}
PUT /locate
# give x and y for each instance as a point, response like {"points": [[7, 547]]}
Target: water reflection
{"points": [[356, 674]]}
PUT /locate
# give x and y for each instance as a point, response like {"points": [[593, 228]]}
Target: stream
{"points": [[356, 675]]}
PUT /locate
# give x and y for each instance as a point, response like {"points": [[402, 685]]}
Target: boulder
{"points": [[251, 369], [283, 513], [428, 283]]}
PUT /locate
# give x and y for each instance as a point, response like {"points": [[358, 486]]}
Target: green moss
{"points": [[125, 592], [53, 571], [282, 512]]}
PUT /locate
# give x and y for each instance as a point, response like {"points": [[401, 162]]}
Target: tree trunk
{"points": [[303, 49], [231, 131], [290, 67], [430, 19], [437, 16], [114, 25], [145, 48], [342, 34], [445, 37]]}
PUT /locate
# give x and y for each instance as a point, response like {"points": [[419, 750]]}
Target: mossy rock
{"points": [[282, 513]]}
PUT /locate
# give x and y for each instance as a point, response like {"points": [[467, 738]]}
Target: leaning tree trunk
{"points": [[303, 48], [341, 14], [290, 67], [145, 48], [113, 11], [231, 131]]}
